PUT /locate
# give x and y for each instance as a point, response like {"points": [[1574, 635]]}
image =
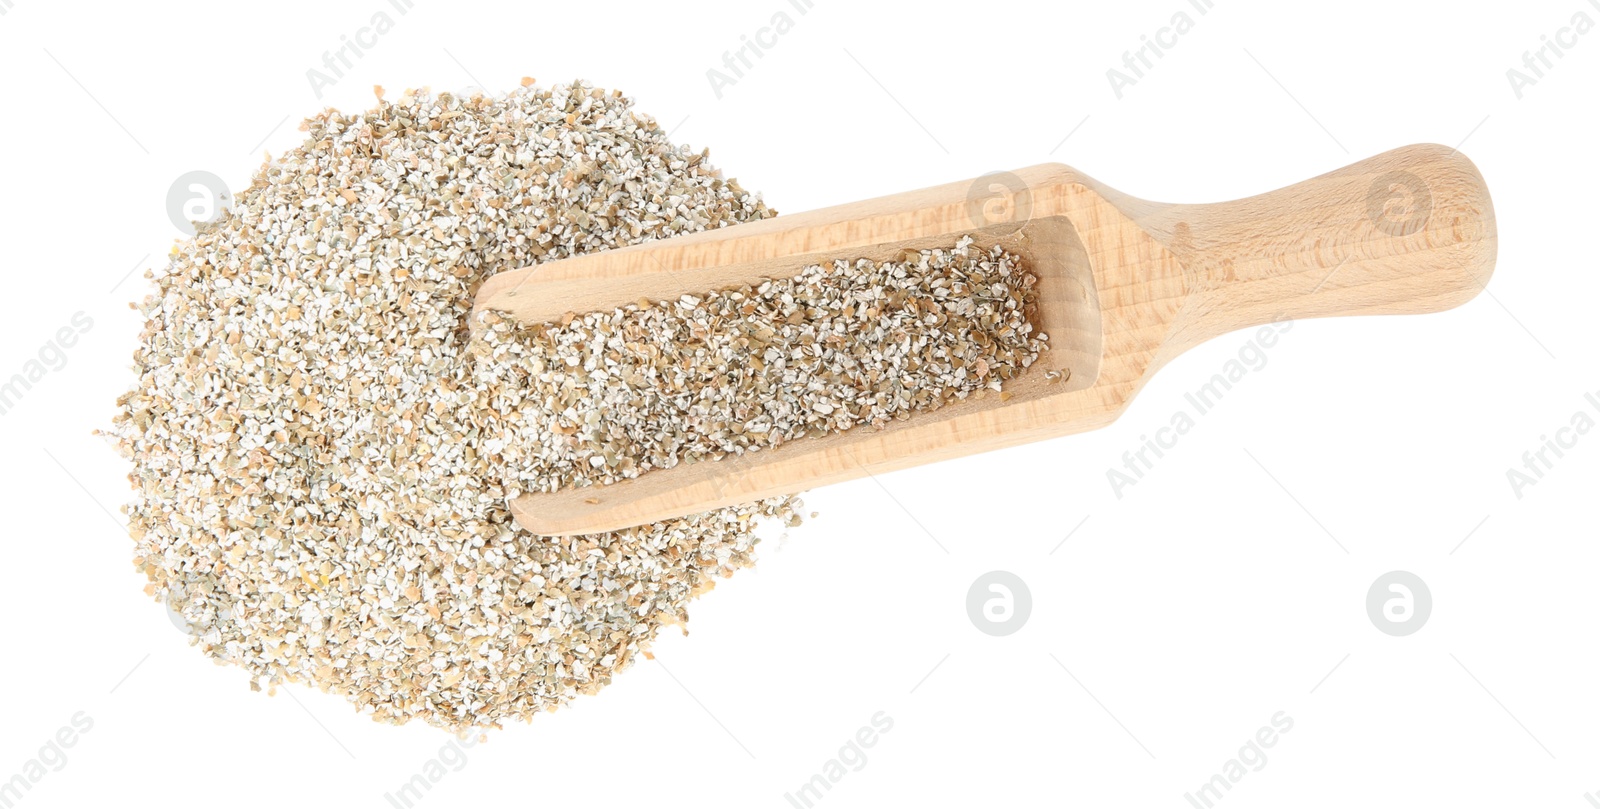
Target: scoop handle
{"points": [[1408, 231]]}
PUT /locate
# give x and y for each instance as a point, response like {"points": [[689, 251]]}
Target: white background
{"points": [[1170, 625]]}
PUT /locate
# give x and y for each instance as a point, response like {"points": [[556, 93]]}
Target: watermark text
{"points": [[52, 356], [852, 757], [752, 47], [1252, 757]]}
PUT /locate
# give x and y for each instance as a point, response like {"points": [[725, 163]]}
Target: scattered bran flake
{"points": [[320, 472]]}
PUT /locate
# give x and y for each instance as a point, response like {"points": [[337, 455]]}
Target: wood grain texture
{"points": [[1126, 285]]}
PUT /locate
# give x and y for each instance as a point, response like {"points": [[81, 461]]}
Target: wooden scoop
{"points": [[1125, 285]]}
